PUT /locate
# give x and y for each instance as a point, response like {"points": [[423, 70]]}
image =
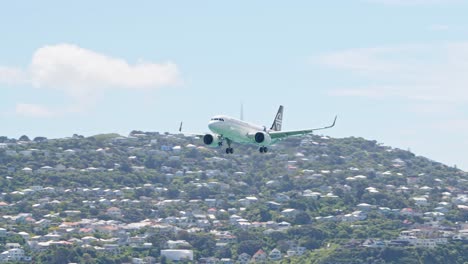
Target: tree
{"points": [[125, 167], [302, 218], [40, 139], [24, 138], [249, 246]]}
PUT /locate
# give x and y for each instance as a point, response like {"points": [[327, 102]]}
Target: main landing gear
{"points": [[263, 149], [229, 150]]}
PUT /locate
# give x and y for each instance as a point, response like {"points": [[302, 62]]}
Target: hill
{"points": [[314, 199]]}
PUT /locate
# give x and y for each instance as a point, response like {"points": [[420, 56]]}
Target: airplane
{"points": [[229, 129]]}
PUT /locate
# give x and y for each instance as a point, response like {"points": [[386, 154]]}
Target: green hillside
{"points": [[323, 200]]}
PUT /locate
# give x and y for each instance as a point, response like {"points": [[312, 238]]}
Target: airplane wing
{"points": [[284, 134], [189, 134]]}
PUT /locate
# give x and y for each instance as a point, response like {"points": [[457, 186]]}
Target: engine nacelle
{"points": [[262, 138], [211, 140]]}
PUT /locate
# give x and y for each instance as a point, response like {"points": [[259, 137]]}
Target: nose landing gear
{"points": [[263, 149]]}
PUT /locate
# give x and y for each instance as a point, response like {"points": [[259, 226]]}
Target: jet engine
{"points": [[262, 138], [211, 140]]}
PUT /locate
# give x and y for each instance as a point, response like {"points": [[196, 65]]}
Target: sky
{"points": [[395, 71]]}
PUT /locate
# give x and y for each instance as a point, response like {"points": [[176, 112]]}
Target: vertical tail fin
{"points": [[242, 112], [278, 120]]}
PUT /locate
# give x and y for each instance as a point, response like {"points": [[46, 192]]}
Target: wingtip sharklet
{"points": [[334, 121]]}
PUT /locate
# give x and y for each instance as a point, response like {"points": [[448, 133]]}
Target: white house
{"points": [[365, 206], [27, 170], [243, 258], [177, 254], [175, 244], [275, 255], [420, 201], [289, 212], [15, 254]]}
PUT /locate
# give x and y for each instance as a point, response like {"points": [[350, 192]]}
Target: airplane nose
{"points": [[211, 125]]}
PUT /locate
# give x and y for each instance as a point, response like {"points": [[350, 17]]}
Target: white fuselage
{"points": [[234, 129]]}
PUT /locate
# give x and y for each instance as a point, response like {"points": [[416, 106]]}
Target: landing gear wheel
{"points": [[262, 149], [229, 150], [265, 149]]}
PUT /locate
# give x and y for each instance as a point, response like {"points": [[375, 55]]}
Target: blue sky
{"points": [[394, 71]]}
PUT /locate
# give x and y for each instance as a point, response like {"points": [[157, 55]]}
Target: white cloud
{"points": [[424, 73], [84, 74], [80, 71], [33, 110]]}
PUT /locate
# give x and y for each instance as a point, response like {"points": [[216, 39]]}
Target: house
{"points": [[27, 170], [365, 206], [398, 163], [248, 200], [112, 248], [290, 212], [275, 255], [12, 255], [273, 205], [114, 212], [26, 153], [284, 225], [45, 169], [178, 244], [12, 245], [281, 197], [295, 251], [210, 260], [420, 201], [3, 232], [354, 216], [409, 212], [211, 202], [311, 194], [427, 242], [259, 257], [329, 218], [138, 261], [243, 258], [373, 243], [177, 254]]}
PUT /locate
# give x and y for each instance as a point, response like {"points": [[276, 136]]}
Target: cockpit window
{"points": [[217, 119]]}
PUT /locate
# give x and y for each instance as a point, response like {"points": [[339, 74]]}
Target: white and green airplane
{"points": [[229, 129]]}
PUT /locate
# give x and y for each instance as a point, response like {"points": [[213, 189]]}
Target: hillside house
{"points": [[275, 255], [243, 258], [259, 257]]}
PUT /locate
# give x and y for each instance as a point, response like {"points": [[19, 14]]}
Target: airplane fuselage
{"points": [[234, 129]]}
